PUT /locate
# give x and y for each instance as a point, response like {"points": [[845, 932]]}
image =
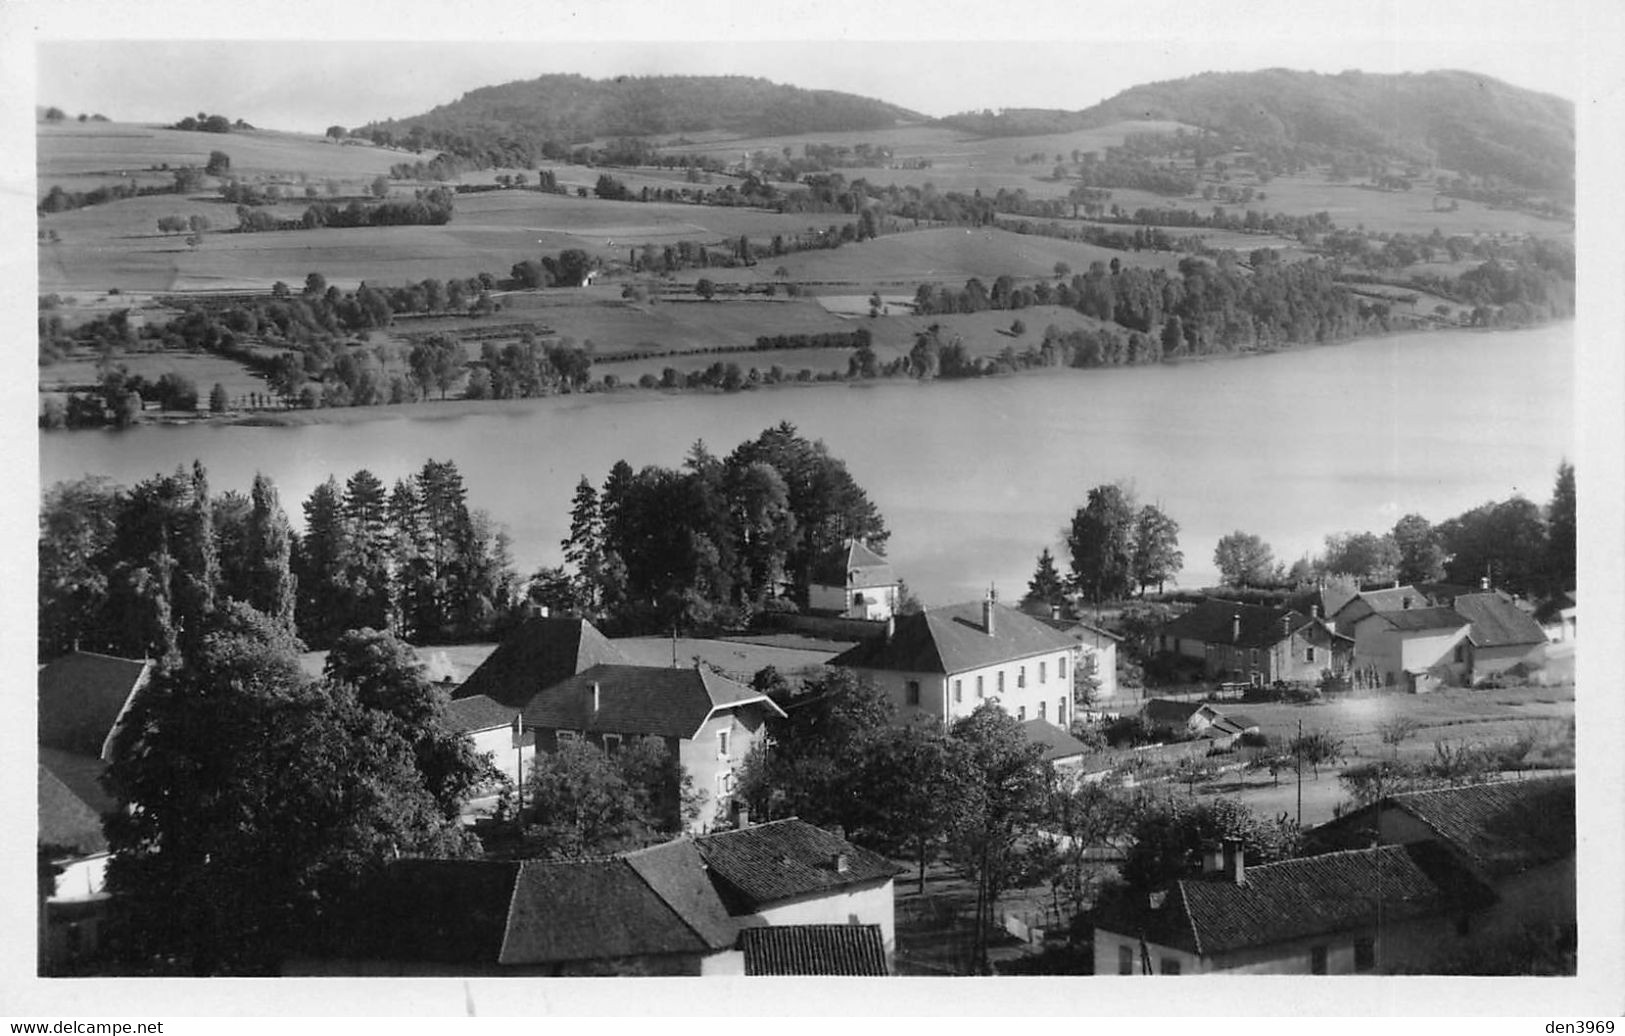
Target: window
{"points": [[1252, 657], [1043, 672], [1021, 713], [565, 736], [1060, 667], [1317, 960], [978, 686], [1021, 676], [1125, 960], [959, 686], [1365, 954], [1309, 654], [1170, 966], [1043, 710], [912, 692], [722, 744], [1060, 711], [1000, 679], [1461, 653], [612, 743]]}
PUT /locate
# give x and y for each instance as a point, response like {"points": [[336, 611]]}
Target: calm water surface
{"points": [[974, 478]]}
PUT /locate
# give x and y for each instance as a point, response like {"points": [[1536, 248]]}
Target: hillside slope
{"points": [[1462, 121], [574, 108]]}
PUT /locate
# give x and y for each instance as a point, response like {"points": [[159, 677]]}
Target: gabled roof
{"points": [[1304, 897], [82, 774], [953, 639], [1504, 827], [814, 949], [1417, 620], [82, 696], [853, 565], [786, 859], [1498, 622], [1214, 622], [1057, 743], [540, 653], [606, 909], [478, 712], [633, 699], [1167, 710], [656, 901], [67, 823]]}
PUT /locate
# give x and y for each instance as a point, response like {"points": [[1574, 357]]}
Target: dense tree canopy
{"points": [[1243, 559], [1101, 542]]}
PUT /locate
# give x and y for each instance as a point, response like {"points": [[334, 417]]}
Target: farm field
{"points": [[204, 369], [984, 334]]}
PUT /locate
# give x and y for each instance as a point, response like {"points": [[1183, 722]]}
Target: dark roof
{"points": [[1213, 622], [814, 949], [1412, 620], [66, 821], [676, 873], [479, 712], [1057, 743], [853, 559], [537, 655], [785, 859], [954, 639], [1497, 622], [443, 911], [1504, 827], [1299, 898], [81, 697], [1077, 628], [603, 910], [82, 774], [1167, 710], [638, 700]]}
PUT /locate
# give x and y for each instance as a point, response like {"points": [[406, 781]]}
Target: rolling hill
{"points": [[574, 108], [1461, 121]]}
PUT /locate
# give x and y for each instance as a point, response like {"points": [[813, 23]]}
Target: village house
{"points": [[843, 950], [83, 699], [709, 723], [1256, 644], [543, 651], [944, 662], [1095, 675], [852, 582], [1392, 599], [1195, 719], [1502, 635], [1414, 649], [789, 872], [1370, 910], [1517, 838], [1061, 750]]}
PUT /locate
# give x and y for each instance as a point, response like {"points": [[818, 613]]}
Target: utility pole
{"points": [[1297, 759]]}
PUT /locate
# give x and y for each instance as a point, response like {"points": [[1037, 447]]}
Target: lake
{"points": [[974, 478]]}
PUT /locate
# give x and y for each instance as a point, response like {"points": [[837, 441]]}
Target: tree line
{"points": [[711, 543]]}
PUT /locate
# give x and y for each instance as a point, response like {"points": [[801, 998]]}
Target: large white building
{"points": [[945, 662]]}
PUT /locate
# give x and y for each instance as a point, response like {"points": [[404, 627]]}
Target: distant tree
{"points": [[1365, 556], [437, 362], [1169, 835], [55, 114], [1062, 271], [1421, 559], [1157, 557], [705, 289], [336, 132], [315, 285], [380, 186], [1503, 542], [1243, 559], [1397, 730], [219, 164], [1315, 748], [1046, 586], [197, 224], [1562, 559], [1101, 542]]}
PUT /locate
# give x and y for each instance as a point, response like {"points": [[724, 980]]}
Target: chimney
{"points": [[1314, 611], [1235, 628], [1212, 858], [742, 817], [987, 613], [1286, 625], [542, 611], [840, 864], [1405, 603], [1484, 582], [1235, 862], [595, 697], [1055, 612], [891, 627]]}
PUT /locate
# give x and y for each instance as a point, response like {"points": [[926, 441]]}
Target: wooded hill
{"points": [[575, 109], [1462, 121]]}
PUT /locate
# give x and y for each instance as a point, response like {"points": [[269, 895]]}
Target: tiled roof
{"points": [[1415, 620], [1213, 622], [82, 774], [1497, 622], [479, 712], [599, 910], [443, 911], [66, 821], [814, 949], [1304, 897], [786, 859], [1057, 743], [855, 559], [539, 654], [1504, 827], [953, 640], [676, 873], [81, 697], [638, 700]]}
